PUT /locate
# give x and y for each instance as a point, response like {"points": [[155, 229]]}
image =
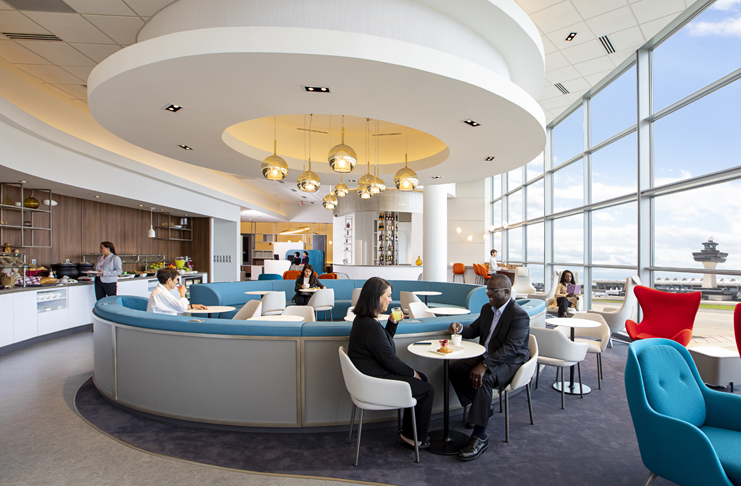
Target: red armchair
{"points": [[665, 315], [737, 326]]}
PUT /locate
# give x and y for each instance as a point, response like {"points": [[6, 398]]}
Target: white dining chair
{"points": [[370, 393], [557, 350], [594, 337], [355, 297], [305, 311], [273, 303], [323, 301], [252, 308], [406, 298], [551, 292], [523, 377], [350, 313], [522, 284], [616, 317], [418, 310]]}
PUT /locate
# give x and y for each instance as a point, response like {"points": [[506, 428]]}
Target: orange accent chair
{"points": [[477, 272], [459, 269], [291, 274], [330, 276], [665, 315]]}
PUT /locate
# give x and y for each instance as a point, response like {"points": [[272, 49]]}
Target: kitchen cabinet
{"points": [[81, 303], [24, 316], [6, 320]]}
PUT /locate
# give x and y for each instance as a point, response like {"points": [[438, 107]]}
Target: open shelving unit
{"points": [[386, 237], [20, 226], [174, 228]]}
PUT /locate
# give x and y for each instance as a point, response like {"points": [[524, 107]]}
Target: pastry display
{"points": [[444, 347]]}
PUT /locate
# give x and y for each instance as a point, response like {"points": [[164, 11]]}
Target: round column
{"points": [[435, 231]]}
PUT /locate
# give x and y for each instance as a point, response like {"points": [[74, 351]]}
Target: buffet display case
{"points": [[386, 236]]}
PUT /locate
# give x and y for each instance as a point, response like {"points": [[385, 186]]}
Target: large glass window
{"points": [[496, 214], [614, 108], [614, 169], [608, 287], [700, 138], [535, 243], [614, 235], [535, 200], [568, 187], [705, 50], [536, 277], [515, 207], [568, 239], [568, 138], [496, 186], [515, 245], [535, 168], [514, 179]]}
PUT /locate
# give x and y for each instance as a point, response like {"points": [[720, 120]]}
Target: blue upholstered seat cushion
{"points": [[727, 444], [670, 386]]}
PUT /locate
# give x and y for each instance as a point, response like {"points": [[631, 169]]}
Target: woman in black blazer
{"points": [[306, 280], [373, 352]]}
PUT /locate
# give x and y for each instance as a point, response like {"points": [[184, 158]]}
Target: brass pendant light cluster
{"points": [[342, 159]]}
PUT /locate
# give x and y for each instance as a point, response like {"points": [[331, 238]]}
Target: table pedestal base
{"points": [[576, 391], [456, 441]]}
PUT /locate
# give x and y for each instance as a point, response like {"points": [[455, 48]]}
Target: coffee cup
{"points": [[455, 339]]}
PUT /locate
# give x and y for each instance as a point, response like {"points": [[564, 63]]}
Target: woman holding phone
{"points": [[107, 269], [373, 352]]}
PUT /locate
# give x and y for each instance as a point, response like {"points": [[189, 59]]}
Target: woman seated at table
{"points": [[563, 298], [162, 301], [307, 280], [373, 352]]}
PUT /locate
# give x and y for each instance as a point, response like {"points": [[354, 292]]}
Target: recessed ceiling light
{"points": [[458, 229], [23, 182], [352, 180], [173, 108], [316, 89], [472, 123], [470, 237], [96, 197], [141, 205], [436, 177], [489, 158], [571, 36], [185, 147]]}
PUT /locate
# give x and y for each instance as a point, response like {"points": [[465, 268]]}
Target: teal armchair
{"points": [[687, 433]]}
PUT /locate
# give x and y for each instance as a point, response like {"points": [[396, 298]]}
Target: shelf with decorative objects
{"points": [[25, 216], [174, 228], [386, 236]]}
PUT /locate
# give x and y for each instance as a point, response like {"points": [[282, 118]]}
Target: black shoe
{"points": [[473, 449], [469, 425], [425, 444]]}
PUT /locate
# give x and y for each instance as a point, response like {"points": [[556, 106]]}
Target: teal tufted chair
{"points": [[687, 433]]}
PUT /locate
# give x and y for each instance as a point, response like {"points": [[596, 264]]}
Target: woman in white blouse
{"points": [[108, 269], [493, 264], [163, 301]]}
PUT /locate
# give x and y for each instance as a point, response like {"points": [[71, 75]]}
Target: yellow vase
{"points": [[419, 261]]}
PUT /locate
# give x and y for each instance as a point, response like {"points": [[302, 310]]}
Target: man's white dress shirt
{"points": [[162, 301]]}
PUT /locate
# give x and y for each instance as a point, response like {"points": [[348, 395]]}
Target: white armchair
{"points": [[369, 393], [273, 303], [523, 284], [252, 308], [557, 350], [305, 311], [551, 291], [616, 317]]}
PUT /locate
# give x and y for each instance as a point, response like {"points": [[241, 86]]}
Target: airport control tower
{"points": [[709, 257]]}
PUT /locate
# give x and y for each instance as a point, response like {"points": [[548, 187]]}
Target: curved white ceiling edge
{"points": [[490, 32], [51, 120], [123, 89]]}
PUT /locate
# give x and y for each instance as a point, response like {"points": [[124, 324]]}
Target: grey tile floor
{"points": [[44, 442]]}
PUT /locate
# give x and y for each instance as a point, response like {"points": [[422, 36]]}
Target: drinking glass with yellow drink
{"points": [[397, 314]]}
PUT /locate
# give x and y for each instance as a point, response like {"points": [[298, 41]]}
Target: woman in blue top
{"points": [[108, 268]]}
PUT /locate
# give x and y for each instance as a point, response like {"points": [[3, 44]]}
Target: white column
{"points": [[435, 230]]}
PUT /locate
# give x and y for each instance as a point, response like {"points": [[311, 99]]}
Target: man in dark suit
{"points": [[503, 328]]}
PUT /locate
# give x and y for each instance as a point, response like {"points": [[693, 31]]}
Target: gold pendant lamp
{"points": [[342, 158], [341, 189], [274, 168], [308, 181], [406, 179], [329, 201]]}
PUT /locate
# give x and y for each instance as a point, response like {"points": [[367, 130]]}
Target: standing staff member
{"points": [[109, 267]]}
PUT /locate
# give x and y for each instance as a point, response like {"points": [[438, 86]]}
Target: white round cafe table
{"points": [[446, 441], [277, 318], [426, 293], [213, 309], [259, 292], [448, 311], [381, 317], [572, 322]]}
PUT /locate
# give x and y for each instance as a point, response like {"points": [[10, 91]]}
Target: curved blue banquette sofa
{"points": [[250, 373]]}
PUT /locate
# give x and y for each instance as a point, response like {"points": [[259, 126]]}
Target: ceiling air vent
{"points": [[607, 44], [561, 88], [40, 37]]}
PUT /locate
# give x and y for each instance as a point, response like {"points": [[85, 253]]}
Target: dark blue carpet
{"points": [[591, 442]]}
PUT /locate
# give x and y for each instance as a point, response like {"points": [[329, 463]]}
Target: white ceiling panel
{"points": [[49, 74], [583, 34], [549, 92], [96, 52], [5, 6], [593, 8], [100, 7], [555, 104], [58, 53], [74, 89], [593, 79], [628, 39], [147, 8], [548, 46], [17, 54], [82, 72], [571, 97], [532, 6], [556, 17], [648, 10], [121, 29], [598, 65], [61, 93], [555, 61], [16, 22], [575, 85], [584, 52], [70, 27], [564, 74], [652, 28], [614, 21], [81, 104]]}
